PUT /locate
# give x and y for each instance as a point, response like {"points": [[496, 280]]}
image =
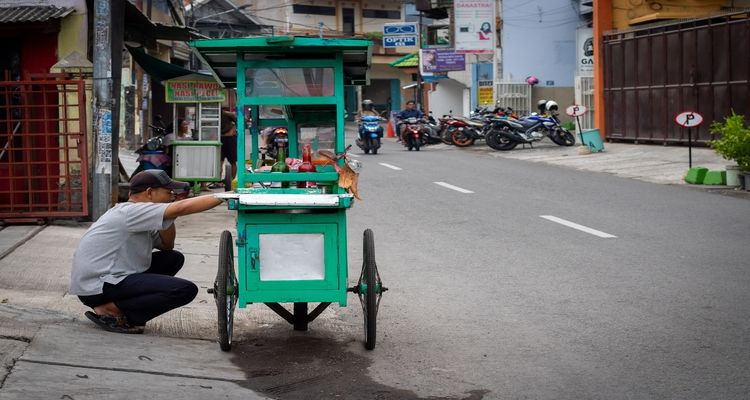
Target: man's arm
{"points": [[191, 206], [167, 237]]}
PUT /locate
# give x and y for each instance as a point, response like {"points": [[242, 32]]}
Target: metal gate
{"points": [[654, 73], [43, 154], [585, 96], [516, 95]]}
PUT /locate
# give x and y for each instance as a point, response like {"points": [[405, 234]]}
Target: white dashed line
{"points": [[577, 226], [456, 188], [390, 166]]}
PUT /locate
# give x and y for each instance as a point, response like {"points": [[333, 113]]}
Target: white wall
{"points": [[538, 38], [449, 95]]}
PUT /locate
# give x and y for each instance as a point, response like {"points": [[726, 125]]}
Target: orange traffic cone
{"points": [[390, 132]]}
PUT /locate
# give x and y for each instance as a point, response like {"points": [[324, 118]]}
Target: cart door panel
{"points": [[282, 257]]}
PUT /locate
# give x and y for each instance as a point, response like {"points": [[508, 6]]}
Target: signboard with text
{"points": [[435, 61], [400, 34], [194, 92], [400, 41], [485, 93], [474, 26]]}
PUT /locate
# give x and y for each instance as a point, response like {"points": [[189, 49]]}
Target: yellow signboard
{"points": [[485, 93]]}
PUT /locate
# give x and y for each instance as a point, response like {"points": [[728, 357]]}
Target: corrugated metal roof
{"points": [[32, 13], [409, 60]]}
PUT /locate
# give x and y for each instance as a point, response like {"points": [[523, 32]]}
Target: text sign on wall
{"points": [[400, 41], [400, 34], [486, 93], [194, 92]]}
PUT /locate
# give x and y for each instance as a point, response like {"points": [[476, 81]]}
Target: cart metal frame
{"points": [[291, 242]]}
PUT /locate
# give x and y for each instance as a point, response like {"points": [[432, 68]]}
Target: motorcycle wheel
{"points": [[459, 139], [445, 136], [498, 142], [417, 144], [567, 137]]}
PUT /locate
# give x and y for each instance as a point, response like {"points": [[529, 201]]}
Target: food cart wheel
{"points": [[370, 289], [225, 290], [228, 177]]}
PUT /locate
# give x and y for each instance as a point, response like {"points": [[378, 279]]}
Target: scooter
{"points": [[432, 131], [370, 134], [154, 154]]}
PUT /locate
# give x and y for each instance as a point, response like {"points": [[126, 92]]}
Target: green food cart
{"points": [[291, 242]]}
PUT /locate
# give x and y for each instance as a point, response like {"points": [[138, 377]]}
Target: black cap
{"points": [[155, 178]]}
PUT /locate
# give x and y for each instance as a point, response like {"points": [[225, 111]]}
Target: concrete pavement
{"points": [[49, 350]]}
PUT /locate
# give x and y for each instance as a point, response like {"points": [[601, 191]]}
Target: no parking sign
{"points": [[689, 119]]}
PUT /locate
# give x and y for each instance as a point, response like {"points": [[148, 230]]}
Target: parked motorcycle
{"points": [[370, 134], [432, 130], [154, 154], [506, 134], [412, 137]]}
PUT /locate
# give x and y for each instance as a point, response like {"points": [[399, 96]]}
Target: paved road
{"points": [[487, 300]]}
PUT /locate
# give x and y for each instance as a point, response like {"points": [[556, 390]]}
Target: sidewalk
{"points": [[48, 349]]}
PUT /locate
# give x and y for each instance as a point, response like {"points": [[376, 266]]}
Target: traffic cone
{"points": [[390, 132]]}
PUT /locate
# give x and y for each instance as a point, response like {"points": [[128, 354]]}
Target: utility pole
{"points": [[103, 105], [108, 32]]}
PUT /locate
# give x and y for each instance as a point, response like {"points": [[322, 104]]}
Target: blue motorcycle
{"points": [[370, 133]]}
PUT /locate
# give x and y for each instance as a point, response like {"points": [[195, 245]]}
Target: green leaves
{"points": [[734, 140]]}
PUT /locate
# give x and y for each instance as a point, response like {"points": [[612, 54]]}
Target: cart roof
{"points": [[221, 54]]}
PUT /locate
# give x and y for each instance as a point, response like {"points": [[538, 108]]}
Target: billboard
{"points": [[433, 61], [474, 26]]}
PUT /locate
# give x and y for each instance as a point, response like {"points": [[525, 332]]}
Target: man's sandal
{"points": [[113, 324]]}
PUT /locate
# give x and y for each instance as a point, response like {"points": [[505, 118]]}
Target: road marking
{"points": [[352, 155], [577, 226], [390, 166], [456, 188]]}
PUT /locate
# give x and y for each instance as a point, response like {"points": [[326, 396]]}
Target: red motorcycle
{"points": [[458, 131], [412, 136]]}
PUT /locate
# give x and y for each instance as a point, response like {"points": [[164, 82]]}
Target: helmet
{"points": [[551, 105], [280, 135], [367, 104], [532, 80], [541, 105]]}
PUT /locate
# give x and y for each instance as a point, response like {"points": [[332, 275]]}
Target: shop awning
{"points": [[407, 61], [140, 28], [32, 13], [158, 69]]}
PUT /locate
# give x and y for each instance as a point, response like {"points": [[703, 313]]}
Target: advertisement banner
{"points": [[436, 61], [474, 26], [585, 52]]}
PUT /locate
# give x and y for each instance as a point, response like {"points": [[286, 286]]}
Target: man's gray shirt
{"points": [[119, 244]]}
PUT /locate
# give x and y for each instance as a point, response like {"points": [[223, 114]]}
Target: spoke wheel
{"points": [[370, 290], [225, 291]]}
